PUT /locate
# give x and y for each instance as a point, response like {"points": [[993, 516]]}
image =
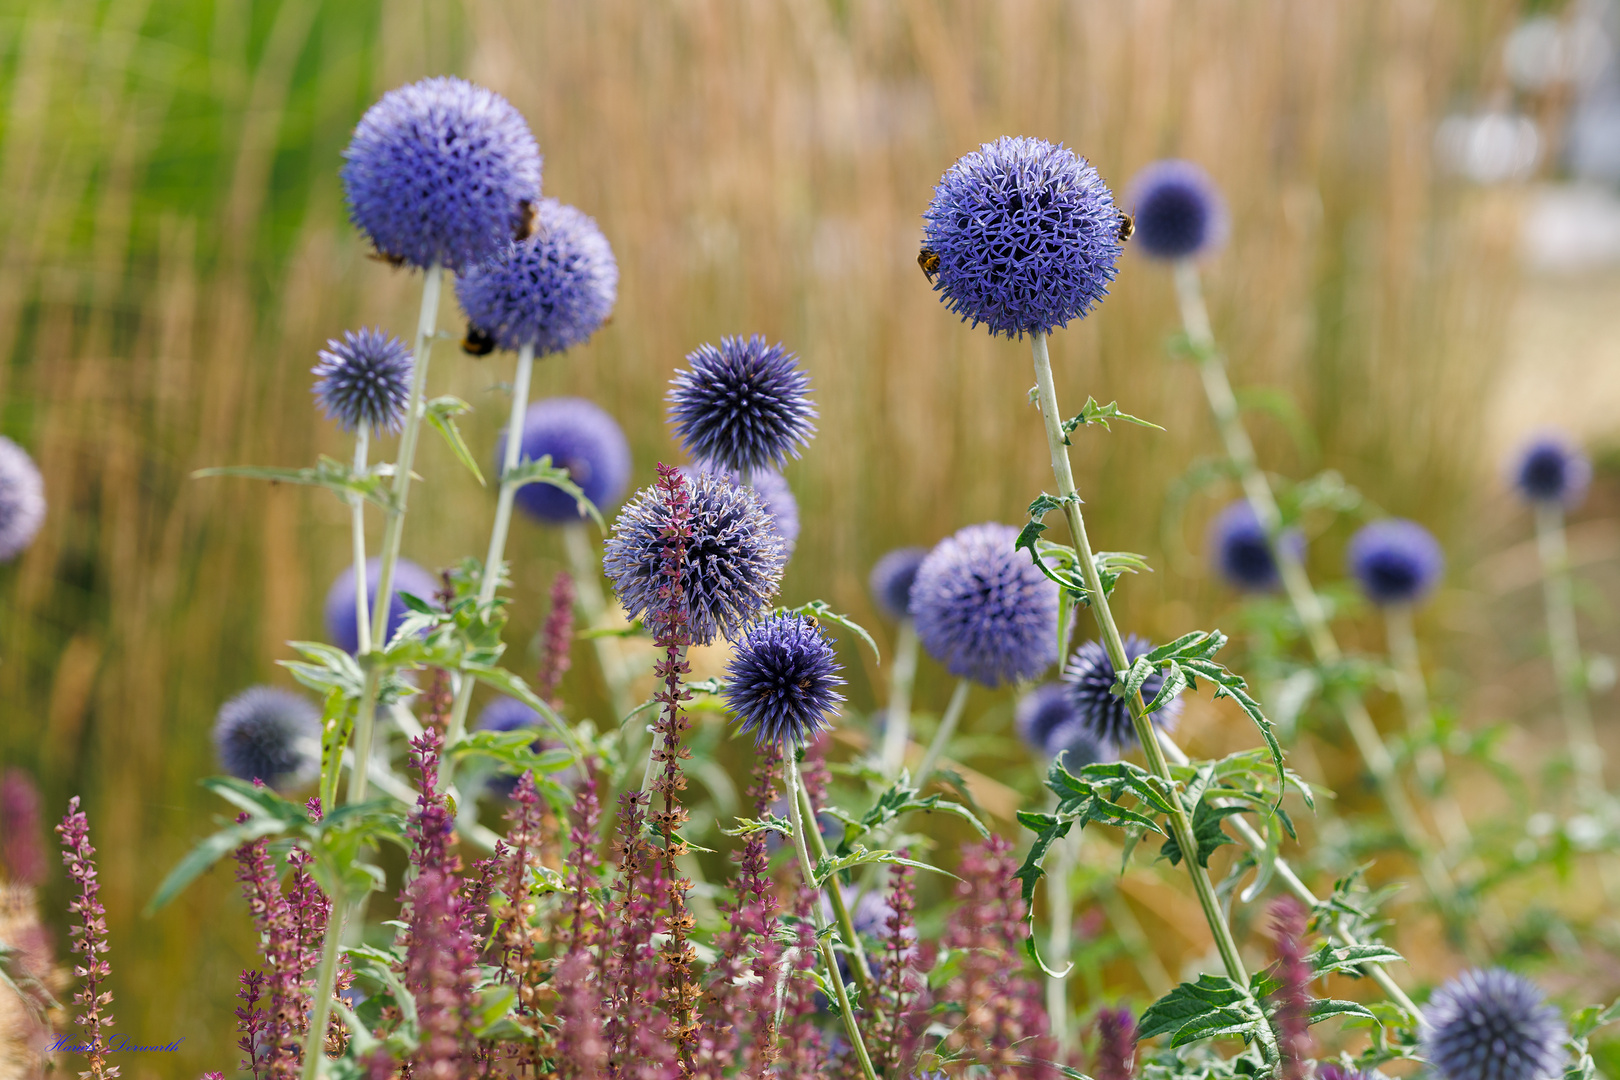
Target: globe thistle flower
{"points": [[891, 580], [1492, 1025], [265, 733], [782, 681], [1040, 712], [581, 438], [1240, 553], [731, 570], [341, 628], [1178, 209], [1551, 469], [553, 290], [364, 379], [983, 609], [22, 500], [507, 714], [1077, 747], [441, 171], [744, 405], [1395, 561], [1106, 718], [774, 494], [1026, 234]]}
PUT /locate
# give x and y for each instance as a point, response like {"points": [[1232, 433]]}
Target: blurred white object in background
{"points": [[1545, 51], [1572, 228], [1489, 147]]}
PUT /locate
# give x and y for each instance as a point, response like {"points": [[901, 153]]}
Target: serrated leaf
{"points": [[334, 476], [750, 826], [1350, 958], [821, 610], [1323, 1008], [1093, 413], [1207, 832], [1048, 829], [544, 472], [827, 866], [1211, 1007], [441, 413], [901, 798]]}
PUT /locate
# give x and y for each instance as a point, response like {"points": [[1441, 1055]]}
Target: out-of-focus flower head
{"points": [[553, 290], [1090, 679], [782, 681], [983, 609], [341, 629], [1179, 211], [1395, 561], [364, 379], [441, 171], [265, 733], [1551, 468], [743, 405], [891, 580], [22, 500], [582, 438], [1240, 553], [1492, 1025], [507, 714], [1026, 234]]}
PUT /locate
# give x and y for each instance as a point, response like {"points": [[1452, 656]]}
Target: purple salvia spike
{"points": [[21, 855], [441, 970], [89, 937], [518, 856], [1116, 1044], [1291, 1018], [556, 639]]}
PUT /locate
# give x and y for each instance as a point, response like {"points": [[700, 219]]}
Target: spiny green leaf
{"points": [[827, 866], [334, 476], [1093, 413], [1211, 1007], [820, 609], [441, 413], [544, 472], [1048, 828], [1323, 1008], [1350, 959], [1207, 832]]}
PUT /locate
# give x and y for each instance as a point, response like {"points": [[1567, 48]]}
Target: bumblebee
{"points": [[1127, 227], [928, 259], [395, 261], [477, 342], [528, 218]]}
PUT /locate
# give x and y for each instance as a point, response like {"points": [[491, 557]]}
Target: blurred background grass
{"points": [[174, 251]]}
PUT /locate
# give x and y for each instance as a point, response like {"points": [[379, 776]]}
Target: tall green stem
{"points": [[1306, 603], [902, 676], [1114, 644], [1428, 757], [946, 729], [829, 955], [1563, 643], [835, 893], [586, 566], [1060, 899], [357, 531], [321, 1006]]}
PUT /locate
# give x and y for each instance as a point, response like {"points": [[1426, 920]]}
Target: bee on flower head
{"points": [[928, 259], [394, 261], [477, 342], [1127, 226], [528, 219]]}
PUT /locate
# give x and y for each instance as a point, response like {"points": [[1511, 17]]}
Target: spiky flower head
{"points": [[1179, 211], [731, 570], [1551, 469], [892, 578], [581, 437], [1090, 677], [1047, 721], [1027, 236], [983, 609], [1240, 553], [743, 405], [341, 628], [774, 494], [266, 733], [364, 379], [22, 500], [1492, 1025], [782, 681], [441, 171], [553, 290], [1395, 561]]}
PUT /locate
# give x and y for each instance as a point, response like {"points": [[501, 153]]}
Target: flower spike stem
{"points": [[490, 579], [1564, 646], [835, 893], [1307, 605], [903, 675], [947, 728], [1429, 759], [1115, 646], [828, 955], [427, 323]]}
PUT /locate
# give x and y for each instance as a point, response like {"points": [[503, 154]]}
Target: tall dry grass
{"points": [[174, 252]]}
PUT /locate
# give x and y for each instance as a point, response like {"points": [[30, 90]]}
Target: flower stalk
{"points": [[947, 728], [1430, 761], [902, 677], [1564, 647], [835, 893], [357, 530]]}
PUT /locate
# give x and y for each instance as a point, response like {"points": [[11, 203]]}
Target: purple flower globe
{"points": [[1395, 561], [743, 406], [1027, 236], [553, 290], [733, 566], [506, 714], [982, 608], [341, 629], [1551, 469], [441, 172], [22, 500], [774, 493], [364, 379], [580, 437], [1178, 209], [1075, 745], [1492, 1025], [1040, 712], [892, 578], [269, 734], [1105, 718], [783, 681], [1240, 553]]}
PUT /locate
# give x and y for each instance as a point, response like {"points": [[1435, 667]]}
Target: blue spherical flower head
{"points": [[1027, 236], [733, 565], [441, 171], [365, 379], [507, 714], [581, 437], [782, 681], [744, 405], [1040, 712], [983, 609], [269, 734], [774, 494], [1395, 561], [892, 578], [341, 629], [1492, 1025], [1106, 718], [553, 290], [1239, 550], [1551, 469], [1178, 209], [22, 500]]}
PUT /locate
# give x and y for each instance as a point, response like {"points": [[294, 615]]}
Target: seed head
{"points": [[1492, 1025], [782, 681], [1551, 468], [265, 733], [1395, 561], [743, 406], [1240, 552], [582, 438], [22, 500], [1179, 211], [364, 379], [892, 578], [1090, 677], [339, 611]]}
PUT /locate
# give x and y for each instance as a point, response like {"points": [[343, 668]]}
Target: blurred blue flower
{"points": [[1179, 211], [22, 500], [1040, 712], [341, 629], [1551, 468], [891, 580], [364, 379], [782, 681], [265, 733], [1090, 678], [1027, 236], [580, 437], [1395, 561], [1492, 1025], [744, 405], [440, 171], [553, 290], [983, 609], [1240, 553]]}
